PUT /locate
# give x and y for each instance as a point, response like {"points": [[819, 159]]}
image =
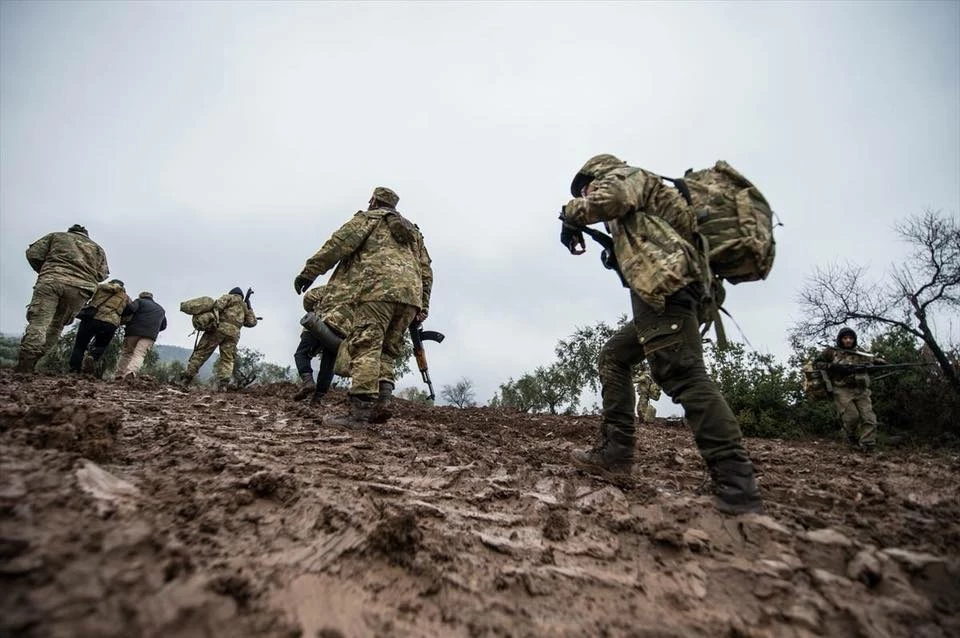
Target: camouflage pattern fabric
{"points": [[312, 298], [647, 391], [651, 225], [856, 413], [109, 299], [71, 258], [54, 305], [210, 341], [234, 315], [387, 268], [849, 358], [386, 196], [736, 220], [375, 343]]}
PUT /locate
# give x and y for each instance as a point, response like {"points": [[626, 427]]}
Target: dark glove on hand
{"points": [[839, 368], [609, 260], [572, 240], [301, 283]]}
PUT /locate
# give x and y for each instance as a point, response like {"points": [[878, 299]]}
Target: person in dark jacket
{"points": [[147, 320], [99, 321]]}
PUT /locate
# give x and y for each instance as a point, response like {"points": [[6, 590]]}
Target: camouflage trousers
{"points": [[209, 341], [53, 306], [645, 412], [856, 413], [375, 343], [672, 346]]}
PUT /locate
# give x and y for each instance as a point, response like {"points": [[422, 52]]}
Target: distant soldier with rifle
{"points": [[389, 290], [848, 373], [230, 313]]}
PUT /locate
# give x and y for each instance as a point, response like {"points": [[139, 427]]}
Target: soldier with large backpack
{"points": [[672, 245], [219, 322]]}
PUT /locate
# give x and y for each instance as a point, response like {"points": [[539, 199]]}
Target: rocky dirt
{"points": [[144, 510]]}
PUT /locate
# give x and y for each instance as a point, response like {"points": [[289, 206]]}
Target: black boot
{"points": [[26, 361], [735, 488], [359, 417], [382, 411], [611, 457], [184, 380], [307, 386]]}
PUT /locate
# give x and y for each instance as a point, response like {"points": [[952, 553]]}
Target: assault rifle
{"points": [[845, 369], [418, 335], [571, 236], [246, 300]]}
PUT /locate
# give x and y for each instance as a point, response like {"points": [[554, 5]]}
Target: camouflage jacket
{"points": [[847, 358], [652, 228], [110, 300], [234, 315], [386, 260], [70, 258], [647, 388]]}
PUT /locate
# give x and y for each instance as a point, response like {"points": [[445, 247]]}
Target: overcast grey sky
{"points": [[207, 145]]}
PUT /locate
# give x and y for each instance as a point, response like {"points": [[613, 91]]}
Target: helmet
{"points": [[386, 196], [594, 168]]}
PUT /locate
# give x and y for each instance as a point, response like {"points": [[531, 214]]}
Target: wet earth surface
{"points": [[144, 510]]}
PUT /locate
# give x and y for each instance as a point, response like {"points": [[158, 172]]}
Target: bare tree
{"points": [[929, 279], [459, 394]]}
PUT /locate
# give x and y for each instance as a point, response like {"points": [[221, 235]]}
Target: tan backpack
{"points": [[205, 318], [734, 220]]}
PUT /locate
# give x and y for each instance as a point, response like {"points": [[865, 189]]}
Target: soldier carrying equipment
{"points": [[417, 336]]}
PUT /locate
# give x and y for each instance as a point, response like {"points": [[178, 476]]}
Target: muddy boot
{"points": [[307, 386], [361, 411], [611, 457], [222, 385], [89, 366], [735, 488], [26, 361], [184, 380], [382, 411]]}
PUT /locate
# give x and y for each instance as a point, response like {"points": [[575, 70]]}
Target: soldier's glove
{"points": [[571, 238], [839, 368], [301, 283]]}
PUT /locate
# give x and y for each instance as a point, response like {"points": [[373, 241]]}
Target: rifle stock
{"points": [[417, 337]]}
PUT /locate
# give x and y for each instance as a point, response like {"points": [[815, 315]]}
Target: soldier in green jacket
{"points": [[652, 229], [233, 315], [105, 311], [69, 266], [389, 286]]}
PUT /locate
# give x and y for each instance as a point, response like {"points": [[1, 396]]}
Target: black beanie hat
{"points": [[237, 291]]}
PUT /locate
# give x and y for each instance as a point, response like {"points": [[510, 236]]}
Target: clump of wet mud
{"points": [[266, 484], [397, 539], [80, 426]]}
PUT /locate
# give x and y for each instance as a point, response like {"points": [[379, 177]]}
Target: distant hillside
{"points": [[176, 353]]}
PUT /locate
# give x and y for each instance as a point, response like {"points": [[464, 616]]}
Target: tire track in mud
{"points": [[238, 514]]}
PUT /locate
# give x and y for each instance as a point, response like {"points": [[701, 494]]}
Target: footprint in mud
{"points": [[84, 427], [397, 539]]}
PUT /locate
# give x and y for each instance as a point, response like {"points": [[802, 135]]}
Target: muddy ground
{"points": [[144, 510]]}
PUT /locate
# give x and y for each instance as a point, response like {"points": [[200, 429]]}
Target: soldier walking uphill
{"points": [[652, 229], [851, 390], [232, 315], [147, 320], [647, 391], [324, 326], [69, 267], [99, 321], [390, 286]]}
